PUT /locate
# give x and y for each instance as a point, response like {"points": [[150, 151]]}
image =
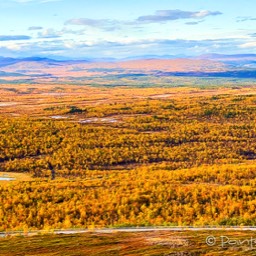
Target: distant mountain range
{"points": [[211, 56], [10, 61], [210, 65], [236, 60], [215, 56]]}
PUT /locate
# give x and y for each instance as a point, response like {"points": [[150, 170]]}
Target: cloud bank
{"points": [[169, 15]]}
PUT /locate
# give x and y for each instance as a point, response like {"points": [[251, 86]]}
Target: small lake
{"points": [[58, 117], [96, 119], [6, 178]]}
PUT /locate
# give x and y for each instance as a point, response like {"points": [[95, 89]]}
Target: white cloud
{"points": [[48, 33], [13, 47], [248, 45], [105, 24], [202, 14]]}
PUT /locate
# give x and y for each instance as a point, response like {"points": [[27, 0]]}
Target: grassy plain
{"points": [[34, 100], [127, 243]]}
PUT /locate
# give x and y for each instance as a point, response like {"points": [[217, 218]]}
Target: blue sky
{"points": [[126, 28]]}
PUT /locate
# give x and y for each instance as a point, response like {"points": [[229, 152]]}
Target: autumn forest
{"points": [[86, 157]]}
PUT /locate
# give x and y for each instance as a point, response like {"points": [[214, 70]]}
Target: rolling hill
{"points": [[211, 65]]}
